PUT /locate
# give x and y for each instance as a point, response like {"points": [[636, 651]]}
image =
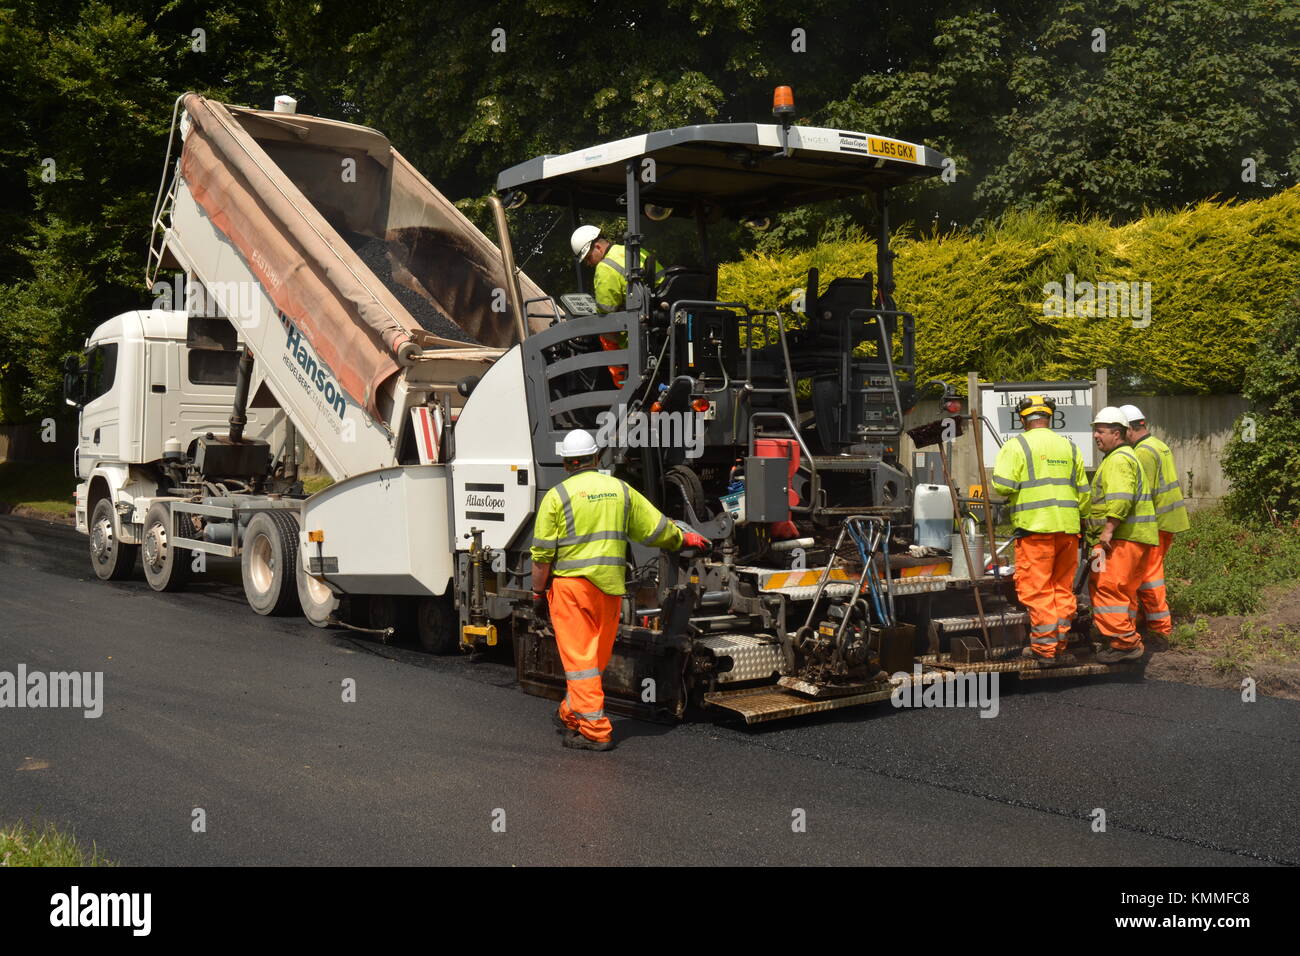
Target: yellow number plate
{"points": [[891, 149]]}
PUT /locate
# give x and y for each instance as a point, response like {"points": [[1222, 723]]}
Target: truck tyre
{"points": [[269, 562], [111, 558], [318, 602], [691, 489], [437, 624], [166, 567]]}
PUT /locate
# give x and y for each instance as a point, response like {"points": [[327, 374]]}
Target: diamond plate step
{"points": [[754, 658], [759, 704], [972, 622]]}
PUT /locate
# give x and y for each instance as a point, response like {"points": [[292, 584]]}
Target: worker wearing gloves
{"points": [[579, 556], [609, 282], [1161, 476], [1121, 527], [1041, 474]]}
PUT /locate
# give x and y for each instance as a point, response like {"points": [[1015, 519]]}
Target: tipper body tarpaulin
{"points": [[299, 195]]}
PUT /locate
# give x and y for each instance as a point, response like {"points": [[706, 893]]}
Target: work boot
{"points": [[576, 741], [1029, 654], [1060, 659], [560, 725], [1114, 655], [1158, 641]]}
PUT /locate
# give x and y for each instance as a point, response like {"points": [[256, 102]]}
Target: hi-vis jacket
{"points": [[1042, 475], [610, 282], [1120, 490], [584, 523], [1162, 478]]}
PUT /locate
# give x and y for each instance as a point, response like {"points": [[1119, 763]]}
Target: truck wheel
{"points": [[437, 624], [269, 562], [166, 567], [318, 602], [111, 558]]}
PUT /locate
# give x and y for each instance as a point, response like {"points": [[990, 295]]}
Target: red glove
{"points": [[697, 541]]}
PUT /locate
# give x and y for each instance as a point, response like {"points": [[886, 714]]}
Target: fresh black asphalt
{"points": [[210, 706]]}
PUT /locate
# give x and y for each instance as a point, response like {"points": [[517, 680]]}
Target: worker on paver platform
{"points": [[1161, 476], [579, 556], [1121, 527], [1041, 474], [609, 282]]}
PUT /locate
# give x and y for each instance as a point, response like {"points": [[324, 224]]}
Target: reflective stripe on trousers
{"points": [[586, 621], [1152, 600], [1045, 569], [1114, 591]]}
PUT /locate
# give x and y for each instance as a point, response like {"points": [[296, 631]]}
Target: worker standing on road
{"points": [[1041, 474], [1121, 527], [609, 282], [579, 557], [1161, 476]]}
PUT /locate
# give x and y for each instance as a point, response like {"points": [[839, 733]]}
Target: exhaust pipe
{"points": [[239, 413]]}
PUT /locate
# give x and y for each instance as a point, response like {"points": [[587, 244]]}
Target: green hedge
{"points": [[1218, 275], [1262, 459]]}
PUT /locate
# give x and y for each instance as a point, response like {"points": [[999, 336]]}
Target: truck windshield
{"points": [[101, 370]]}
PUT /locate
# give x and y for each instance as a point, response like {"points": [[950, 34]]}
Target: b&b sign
{"points": [[1073, 417]]}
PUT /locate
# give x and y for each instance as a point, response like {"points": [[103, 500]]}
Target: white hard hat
{"points": [[578, 444], [1110, 415], [1132, 413], [582, 239]]}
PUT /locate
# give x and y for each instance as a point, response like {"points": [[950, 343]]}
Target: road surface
{"points": [[210, 707]]}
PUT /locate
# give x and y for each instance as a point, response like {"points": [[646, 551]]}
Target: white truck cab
{"points": [[150, 382]]}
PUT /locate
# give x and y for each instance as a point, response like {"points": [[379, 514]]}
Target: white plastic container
{"points": [[932, 514]]}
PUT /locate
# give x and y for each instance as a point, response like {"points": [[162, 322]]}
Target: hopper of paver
{"points": [[371, 291]]}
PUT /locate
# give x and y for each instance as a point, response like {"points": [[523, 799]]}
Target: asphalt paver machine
{"points": [[815, 591]]}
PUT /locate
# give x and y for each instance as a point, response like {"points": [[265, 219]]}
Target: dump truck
{"points": [[347, 305]]}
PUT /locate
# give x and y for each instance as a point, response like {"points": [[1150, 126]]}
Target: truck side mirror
{"points": [[74, 382]]}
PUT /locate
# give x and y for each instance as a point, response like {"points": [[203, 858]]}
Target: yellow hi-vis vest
{"points": [[1119, 490], [1162, 478], [583, 525], [610, 281], [1041, 474]]}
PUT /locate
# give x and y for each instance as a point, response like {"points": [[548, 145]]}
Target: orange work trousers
{"points": [[617, 372], [585, 620], [1152, 599], [1045, 568], [1113, 585]]}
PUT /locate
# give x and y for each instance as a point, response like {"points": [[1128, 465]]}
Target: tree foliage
{"points": [[1099, 107], [1034, 117]]}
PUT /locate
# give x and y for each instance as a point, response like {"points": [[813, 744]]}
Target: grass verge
{"points": [[1235, 595], [314, 483], [23, 845], [1222, 567], [43, 488]]}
